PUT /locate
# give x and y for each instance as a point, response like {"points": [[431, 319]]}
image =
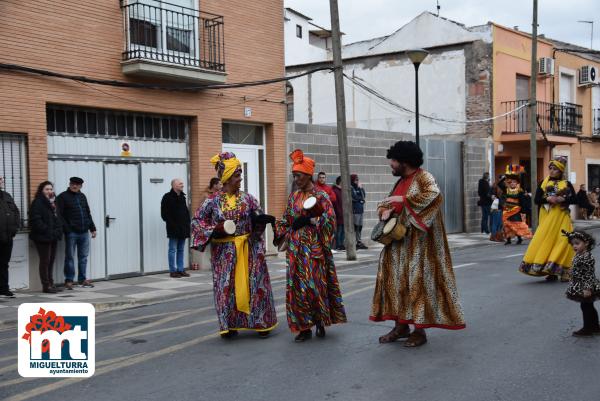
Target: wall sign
{"points": [[125, 149]]}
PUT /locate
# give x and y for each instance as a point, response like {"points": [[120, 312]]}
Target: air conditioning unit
{"points": [[546, 66], [588, 75]]}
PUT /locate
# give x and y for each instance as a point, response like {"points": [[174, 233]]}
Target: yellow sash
{"points": [[242, 283]]}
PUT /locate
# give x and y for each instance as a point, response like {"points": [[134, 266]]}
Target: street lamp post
{"points": [[417, 56]]}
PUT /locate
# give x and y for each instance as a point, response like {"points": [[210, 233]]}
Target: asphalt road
{"points": [[517, 346]]}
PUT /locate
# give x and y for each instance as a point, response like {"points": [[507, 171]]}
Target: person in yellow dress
{"points": [[549, 253]]}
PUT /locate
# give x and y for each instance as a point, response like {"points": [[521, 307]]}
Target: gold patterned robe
{"points": [[415, 281]]}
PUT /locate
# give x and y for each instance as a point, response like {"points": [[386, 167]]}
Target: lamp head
{"points": [[417, 55]]}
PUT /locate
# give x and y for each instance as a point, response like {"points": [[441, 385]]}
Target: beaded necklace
{"points": [[225, 205]]}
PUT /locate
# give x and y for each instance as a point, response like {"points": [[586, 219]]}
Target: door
{"points": [[122, 218], [249, 157], [59, 172], [156, 181], [522, 98]]}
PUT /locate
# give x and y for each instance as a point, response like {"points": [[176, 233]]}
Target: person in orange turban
{"points": [[301, 163], [313, 295]]}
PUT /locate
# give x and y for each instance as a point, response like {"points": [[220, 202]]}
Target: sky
{"points": [[366, 19]]}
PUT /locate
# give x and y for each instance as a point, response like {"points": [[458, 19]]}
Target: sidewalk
{"points": [[151, 289]]}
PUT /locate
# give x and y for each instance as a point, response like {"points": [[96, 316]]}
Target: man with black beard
{"points": [[415, 283]]}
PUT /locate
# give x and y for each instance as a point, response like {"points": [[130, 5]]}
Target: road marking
{"points": [[464, 265], [513, 255], [133, 360]]}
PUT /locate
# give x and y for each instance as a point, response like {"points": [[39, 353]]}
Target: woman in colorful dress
{"points": [[549, 253], [313, 296], [242, 287], [515, 205]]}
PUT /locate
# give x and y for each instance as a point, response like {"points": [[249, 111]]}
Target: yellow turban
{"points": [[226, 165], [559, 163]]}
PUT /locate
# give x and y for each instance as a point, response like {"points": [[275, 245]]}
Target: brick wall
{"points": [[86, 38], [478, 74]]}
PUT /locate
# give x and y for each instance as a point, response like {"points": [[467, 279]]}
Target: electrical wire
{"points": [[244, 99], [363, 84], [80, 78]]}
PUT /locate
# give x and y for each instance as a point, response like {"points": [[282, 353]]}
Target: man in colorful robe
{"points": [[242, 287], [415, 283]]}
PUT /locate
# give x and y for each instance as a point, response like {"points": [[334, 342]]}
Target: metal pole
{"points": [[417, 103], [532, 116], [340, 103]]}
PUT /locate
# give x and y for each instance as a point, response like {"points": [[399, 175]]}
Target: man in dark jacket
{"points": [[76, 219], [485, 202], [358, 209], [9, 225], [338, 207], [174, 211], [584, 202]]}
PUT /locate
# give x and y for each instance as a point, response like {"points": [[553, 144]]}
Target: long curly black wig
{"points": [[406, 152]]}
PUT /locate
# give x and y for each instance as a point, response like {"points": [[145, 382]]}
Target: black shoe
{"points": [[552, 277], [584, 332], [508, 241], [519, 240], [360, 245], [175, 275], [320, 331], [7, 293], [229, 334], [264, 334], [303, 336], [49, 290]]}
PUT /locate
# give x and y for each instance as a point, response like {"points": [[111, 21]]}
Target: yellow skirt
{"points": [[549, 252]]}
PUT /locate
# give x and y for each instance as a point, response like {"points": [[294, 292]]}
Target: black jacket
{"points": [[174, 211], [43, 221], [358, 199], [485, 193], [74, 211], [10, 220], [570, 197]]}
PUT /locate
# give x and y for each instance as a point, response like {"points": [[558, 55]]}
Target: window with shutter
{"points": [[13, 167]]}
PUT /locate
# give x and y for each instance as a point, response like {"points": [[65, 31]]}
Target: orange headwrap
{"points": [[302, 163]]}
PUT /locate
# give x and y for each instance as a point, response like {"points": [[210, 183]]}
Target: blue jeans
{"points": [[485, 218], [82, 242], [496, 221], [176, 249], [339, 236]]}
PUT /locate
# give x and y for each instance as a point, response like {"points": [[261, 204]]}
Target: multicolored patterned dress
{"points": [[313, 292], [415, 282], [262, 315], [514, 207]]}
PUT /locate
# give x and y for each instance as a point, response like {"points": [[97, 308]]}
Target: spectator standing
{"points": [[321, 185], [46, 231], [594, 198], [485, 202], [174, 211], [9, 225], [338, 208], [76, 219], [585, 206], [358, 208]]}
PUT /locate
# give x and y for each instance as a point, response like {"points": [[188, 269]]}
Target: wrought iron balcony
{"points": [[554, 119], [172, 41], [596, 125]]}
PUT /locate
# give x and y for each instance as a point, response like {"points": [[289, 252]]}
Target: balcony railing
{"points": [[168, 33], [596, 125], [555, 119]]}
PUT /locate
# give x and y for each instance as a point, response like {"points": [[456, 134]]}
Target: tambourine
{"points": [[312, 206], [387, 231], [229, 227]]}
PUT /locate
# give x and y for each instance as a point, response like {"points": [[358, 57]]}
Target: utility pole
{"points": [[592, 35], [340, 105], [533, 115]]}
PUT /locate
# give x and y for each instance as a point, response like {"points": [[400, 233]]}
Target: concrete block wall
{"points": [[476, 162], [367, 153]]}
